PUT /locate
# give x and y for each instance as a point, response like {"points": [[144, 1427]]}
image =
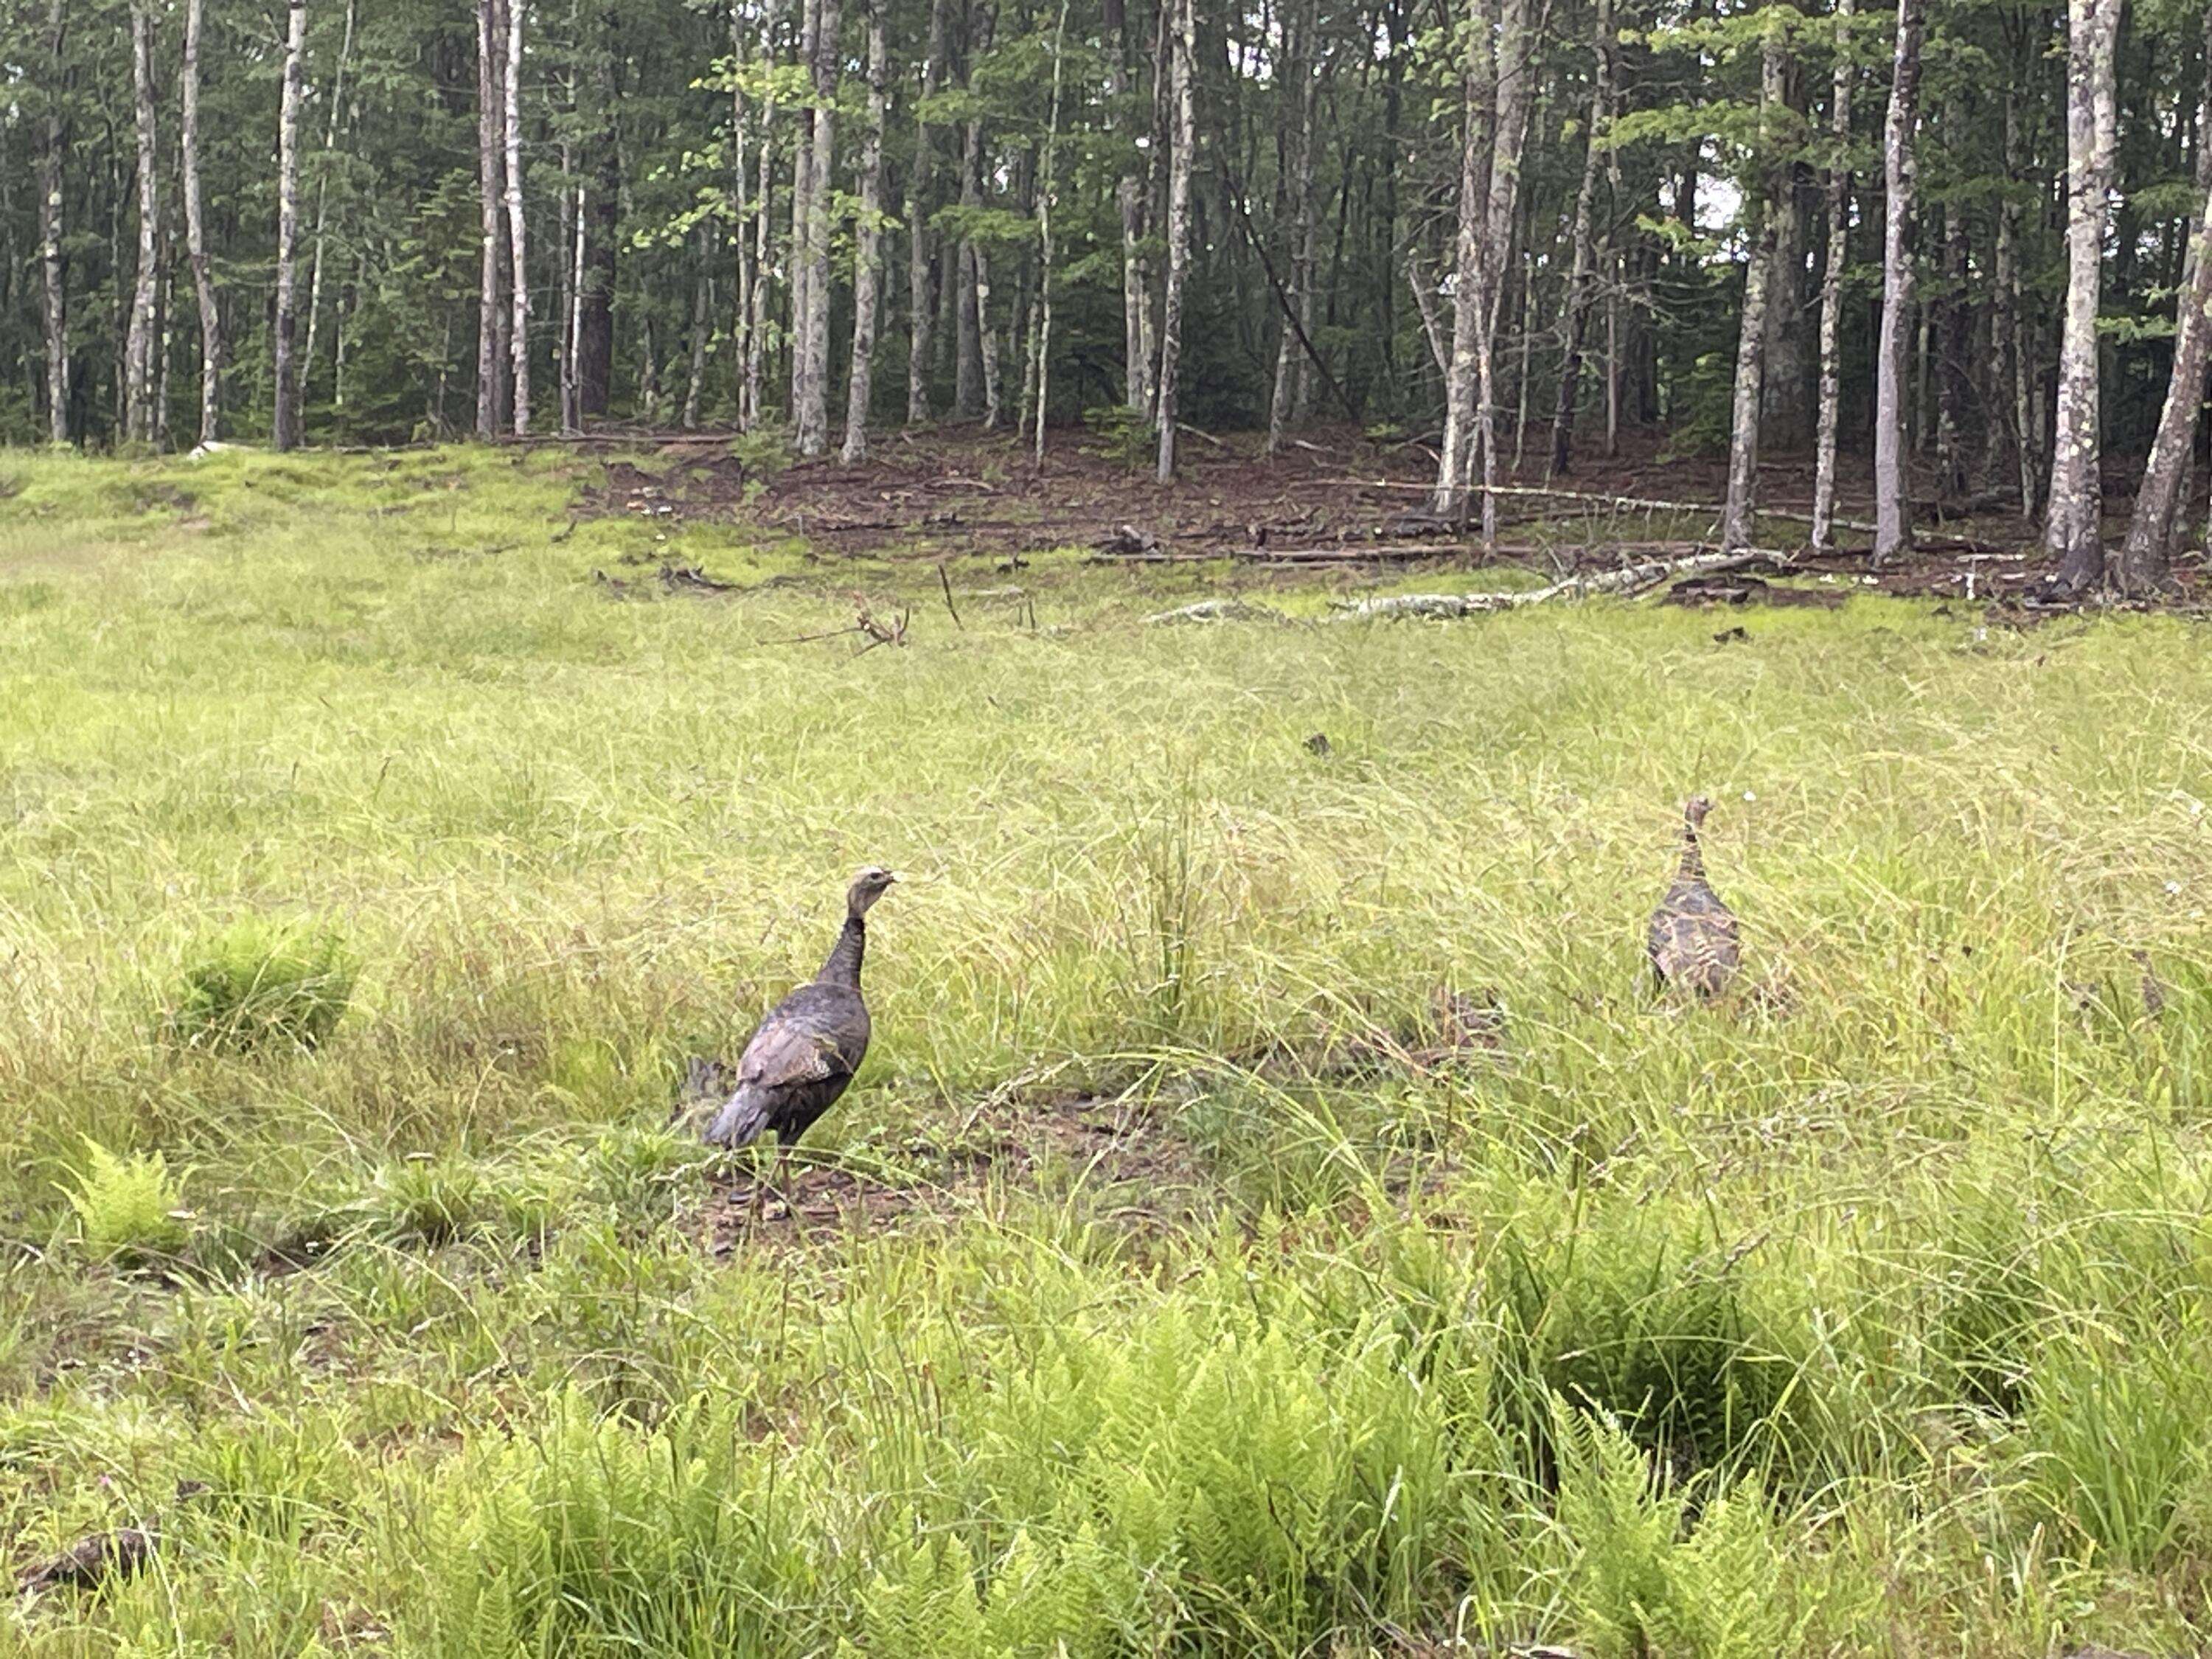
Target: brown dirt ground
{"points": [[1333, 499], [1115, 1145]]}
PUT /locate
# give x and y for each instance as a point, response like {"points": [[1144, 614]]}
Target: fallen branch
{"points": [[1209, 611], [1627, 580]]}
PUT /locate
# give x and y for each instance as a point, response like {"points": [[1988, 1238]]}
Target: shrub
{"points": [[254, 985], [129, 1209]]}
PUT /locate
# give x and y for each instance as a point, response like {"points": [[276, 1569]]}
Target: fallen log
{"points": [[1627, 579]]}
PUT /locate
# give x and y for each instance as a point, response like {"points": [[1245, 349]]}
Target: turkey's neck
{"points": [[1693, 860], [843, 967]]}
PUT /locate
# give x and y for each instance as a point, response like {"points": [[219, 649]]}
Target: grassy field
{"points": [[369, 872]]}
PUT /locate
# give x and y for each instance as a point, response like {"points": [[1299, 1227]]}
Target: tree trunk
{"points": [[740, 248], [1739, 528], [2146, 558], [602, 238], [145, 291], [572, 314], [53, 269], [802, 210], [1302, 78], [212, 349], [1129, 201], [491, 189], [812, 413], [286, 422], [702, 311], [1046, 186], [2007, 371], [323, 198], [1953, 340], [1583, 274], [1516, 84], [1183, 70], [920, 267], [519, 339], [1893, 491], [1465, 380], [763, 239], [867, 260], [1831, 287], [2072, 532]]}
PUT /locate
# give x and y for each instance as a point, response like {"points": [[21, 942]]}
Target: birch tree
{"points": [[287, 423], [1583, 272], [1832, 286], [1740, 514], [1302, 80], [922, 308], [54, 272], [1130, 203], [867, 259], [517, 228], [491, 194], [1468, 376], [1893, 491], [810, 349], [212, 347], [139, 360], [1182, 68], [2072, 532], [2146, 558]]}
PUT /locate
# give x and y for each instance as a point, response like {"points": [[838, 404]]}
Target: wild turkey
{"points": [[806, 1050], [1692, 941]]}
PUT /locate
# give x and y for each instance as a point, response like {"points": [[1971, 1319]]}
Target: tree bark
{"points": [[1302, 78], [286, 422], [867, 261], [491, 190], [920, 266], [212, 349], [1739, 517], [601, 234], [2072, 532], [1129, 201], [518, 239], [52, 265], [322, 197], [2146, 558], [740, 244], [812, 413], [1953, 339], [2007, 428], [1182, 71], [1582, 276], [1831, 287], [1892, 489], [145, 289], [1046, 186], [1464, 381]]}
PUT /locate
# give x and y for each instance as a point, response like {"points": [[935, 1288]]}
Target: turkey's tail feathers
{"points": [[742, 1121]]}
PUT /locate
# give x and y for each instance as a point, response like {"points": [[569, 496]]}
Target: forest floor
{"points": [[1331, 500], [1276, 1216]]}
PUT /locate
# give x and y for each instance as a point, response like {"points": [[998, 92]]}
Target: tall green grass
{"points": [[1861, 1315]]}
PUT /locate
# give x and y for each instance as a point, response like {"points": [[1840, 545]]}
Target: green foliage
{"points": [[254, 987], [128, 1209]]}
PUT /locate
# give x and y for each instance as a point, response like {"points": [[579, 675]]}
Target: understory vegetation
{"points": [[369, 874]]}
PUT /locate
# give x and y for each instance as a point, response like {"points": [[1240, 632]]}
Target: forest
{"points": [[1948, 252]]}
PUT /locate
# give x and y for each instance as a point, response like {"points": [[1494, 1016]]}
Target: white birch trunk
{"points": [[54, 272], [212, 349], [1831, 287], [145, 289], [1739, 517], [2072, 529], [867, 261], [1183, 71], [810, 385], [491, 189], [322, 194], [287, 423], [920, 264], [1893, 491], [1463, 380], [518, 239]]}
